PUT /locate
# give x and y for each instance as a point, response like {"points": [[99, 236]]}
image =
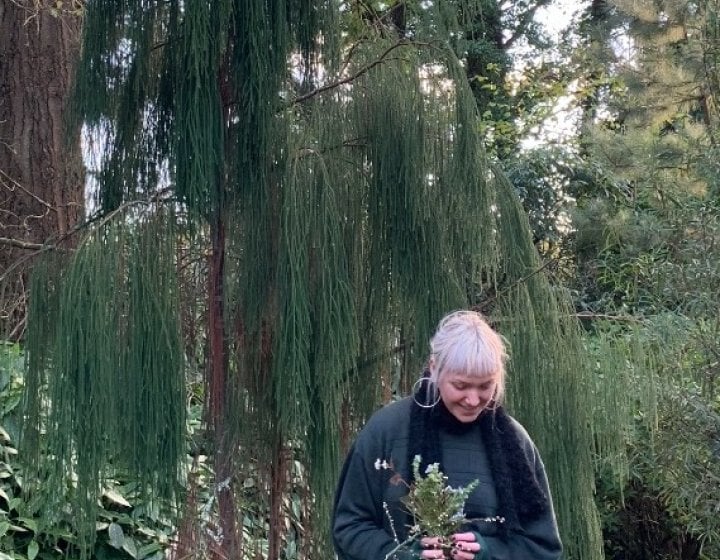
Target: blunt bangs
{"points": [[465, 344]]}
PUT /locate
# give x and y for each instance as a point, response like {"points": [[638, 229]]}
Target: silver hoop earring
{"points": [[416, 388]]}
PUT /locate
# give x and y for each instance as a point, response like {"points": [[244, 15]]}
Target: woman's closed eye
{"points": [[463, 386]]}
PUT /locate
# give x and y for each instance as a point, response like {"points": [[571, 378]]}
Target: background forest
{"points": [[228, 228]]}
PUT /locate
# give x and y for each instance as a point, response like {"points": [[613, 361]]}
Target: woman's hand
{"points": [[462, 546], [434, 548], [465, 546]]}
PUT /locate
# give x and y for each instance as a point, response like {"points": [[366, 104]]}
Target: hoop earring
{"points": [[416, 388]]}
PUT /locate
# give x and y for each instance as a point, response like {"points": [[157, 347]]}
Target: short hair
{"points": [[464, 343]]}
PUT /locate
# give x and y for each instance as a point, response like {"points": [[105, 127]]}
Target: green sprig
{"points": [[437, 508]]}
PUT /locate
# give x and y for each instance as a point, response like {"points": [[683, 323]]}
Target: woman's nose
{"points": [[472, 398]]}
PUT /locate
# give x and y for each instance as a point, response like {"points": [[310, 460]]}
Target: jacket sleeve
{"points": [[537, 540], [358, 516]]}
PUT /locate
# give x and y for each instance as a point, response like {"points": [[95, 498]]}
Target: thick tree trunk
{"points": [[41, 169]]}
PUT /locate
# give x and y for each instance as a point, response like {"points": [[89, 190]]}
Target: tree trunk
{"points": [[230, 544], [278, 492], [41, 169]]}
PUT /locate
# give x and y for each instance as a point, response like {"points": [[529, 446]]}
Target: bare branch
{"points": [[15, 184], [18, 243]]}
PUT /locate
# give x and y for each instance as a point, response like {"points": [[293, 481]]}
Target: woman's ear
{"points": [[431, 362]]}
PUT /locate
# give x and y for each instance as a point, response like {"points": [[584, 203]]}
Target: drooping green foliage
{"points": [[109, 363], [345, 200], [380, 220], [546, 375]]}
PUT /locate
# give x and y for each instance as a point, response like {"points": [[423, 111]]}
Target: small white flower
{"points": [[378, 464], [382, 464]]}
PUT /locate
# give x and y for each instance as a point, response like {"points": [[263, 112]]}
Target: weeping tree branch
{"points": [[364, 70], [99, 220]]}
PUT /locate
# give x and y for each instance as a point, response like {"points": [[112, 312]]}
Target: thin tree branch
{"points": [[523, 24], [607, 316], [19, 244], [26, 191], [364, 70], [519, 281], [99, 220]]}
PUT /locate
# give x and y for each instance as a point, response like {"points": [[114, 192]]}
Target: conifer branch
{"points": [[99, 219], [364, 70]]}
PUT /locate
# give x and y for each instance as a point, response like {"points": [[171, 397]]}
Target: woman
{"points": [[454, 418]]}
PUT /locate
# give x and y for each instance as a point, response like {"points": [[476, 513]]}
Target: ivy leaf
{"points": [[117, 537]]}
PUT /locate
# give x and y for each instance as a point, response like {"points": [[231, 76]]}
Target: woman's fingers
{"points": [[457, 554], [433, 548], [432, 542], [464, 537], [435, 554], [465, 547]]}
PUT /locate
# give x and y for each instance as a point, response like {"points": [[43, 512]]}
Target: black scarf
{"points": [[520, 495]]}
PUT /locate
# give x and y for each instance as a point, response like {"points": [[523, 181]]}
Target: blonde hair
{"points": [[464, 343]]}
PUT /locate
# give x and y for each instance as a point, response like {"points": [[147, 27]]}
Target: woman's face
{"points": [[466, 397]]}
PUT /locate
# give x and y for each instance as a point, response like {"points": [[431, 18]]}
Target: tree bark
{"points": [[229, 546], [41, 168]]}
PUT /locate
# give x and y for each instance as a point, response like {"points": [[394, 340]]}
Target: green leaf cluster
{"points": [[436, 508]]}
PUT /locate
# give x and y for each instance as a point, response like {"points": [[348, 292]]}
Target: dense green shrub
{"points": [[657, 441]]}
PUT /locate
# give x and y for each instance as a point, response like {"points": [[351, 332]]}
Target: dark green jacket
{"points": [[368, 510]]}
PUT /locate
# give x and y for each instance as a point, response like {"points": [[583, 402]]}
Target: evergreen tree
{"points": [[655, 137], [340, 198], [646, 240]]}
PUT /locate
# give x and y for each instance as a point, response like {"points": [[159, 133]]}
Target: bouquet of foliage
{"points": [[438, 509]]}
